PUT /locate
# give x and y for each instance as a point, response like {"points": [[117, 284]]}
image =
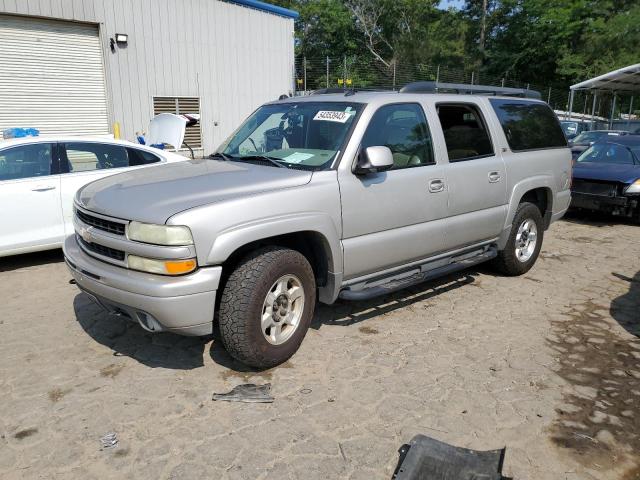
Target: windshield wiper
{"points": [[271, 160], [220, 155]]}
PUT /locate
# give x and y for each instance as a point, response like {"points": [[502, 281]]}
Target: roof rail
{"points": [[438, 87]]}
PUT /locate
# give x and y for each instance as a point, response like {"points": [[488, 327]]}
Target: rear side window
{"points": [[86, 157], [529, 125], [465, 132]]}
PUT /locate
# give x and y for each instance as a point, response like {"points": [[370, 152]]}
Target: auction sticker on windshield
{"points": [[332, 116]]}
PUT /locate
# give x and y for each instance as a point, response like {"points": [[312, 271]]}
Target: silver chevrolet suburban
{"points": [[336, 195]]}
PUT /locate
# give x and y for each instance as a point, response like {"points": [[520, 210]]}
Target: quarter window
{"points": [[26, 161], [403, 129], [86, 157], [465, 132], [529, 125], [141, 157]]}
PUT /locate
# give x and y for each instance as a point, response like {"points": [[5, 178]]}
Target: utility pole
{"points": [[630, 110], [394, 74], [327, 71], [344, 73], [438, 74], [305, 74]]}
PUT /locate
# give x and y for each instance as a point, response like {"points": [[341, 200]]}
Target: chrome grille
{"points": [[100, 223], [101, 249]]}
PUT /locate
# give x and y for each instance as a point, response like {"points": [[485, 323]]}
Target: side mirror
{"points": [[374, 159]]}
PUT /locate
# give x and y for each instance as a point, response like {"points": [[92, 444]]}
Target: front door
{"points": [[395, 217], [30, 212]]}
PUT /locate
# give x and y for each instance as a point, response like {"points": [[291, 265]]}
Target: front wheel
{"points": [[524, 243], [267, 306]]}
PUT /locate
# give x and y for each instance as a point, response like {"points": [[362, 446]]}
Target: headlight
{"points": [[160, 234], [162, 267], [634, 187]]}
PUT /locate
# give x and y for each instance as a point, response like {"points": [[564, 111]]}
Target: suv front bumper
{"points": [[184, 305]]}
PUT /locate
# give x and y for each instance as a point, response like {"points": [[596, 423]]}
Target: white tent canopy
{"points": [[623, 80]]}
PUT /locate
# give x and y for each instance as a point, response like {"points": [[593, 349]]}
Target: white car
{"points": [[39, 177]]}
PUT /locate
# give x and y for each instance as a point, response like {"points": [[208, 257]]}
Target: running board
{"points": [[398, 283]]}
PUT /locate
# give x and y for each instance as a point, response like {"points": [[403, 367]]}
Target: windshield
{"points": [[607, 153], [305, 134]]}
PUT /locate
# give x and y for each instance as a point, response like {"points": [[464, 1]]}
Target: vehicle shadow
{"points": [[596, 219], [126, 338], [167, 350], [626, 308], [27, 260], [351, 312]]}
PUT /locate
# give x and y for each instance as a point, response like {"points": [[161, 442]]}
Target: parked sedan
{"points": [[39, 177], [606, 177], [586, 139]]}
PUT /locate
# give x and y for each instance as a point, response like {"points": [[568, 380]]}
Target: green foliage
{"points": [[544, 42]]}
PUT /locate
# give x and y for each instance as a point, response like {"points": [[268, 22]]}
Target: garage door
{"points": [[51, 76]]}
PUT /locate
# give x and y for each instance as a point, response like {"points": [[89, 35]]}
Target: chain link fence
{"points": [[358, 73]]}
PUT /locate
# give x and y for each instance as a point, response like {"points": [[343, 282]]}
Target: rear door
{"points": [[84, 162], [30, 212], [475, 175]]}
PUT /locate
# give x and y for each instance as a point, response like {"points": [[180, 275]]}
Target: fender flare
{"points": [[231, 239]]}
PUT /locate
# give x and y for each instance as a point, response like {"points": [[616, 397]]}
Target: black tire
{"points": [[507, 262], [242, 302]]}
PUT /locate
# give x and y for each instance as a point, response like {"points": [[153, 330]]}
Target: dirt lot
{"points": [[547, 365]]}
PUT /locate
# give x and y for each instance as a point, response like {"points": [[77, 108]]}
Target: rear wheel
{"points": [[524, 243], [267, 306]]}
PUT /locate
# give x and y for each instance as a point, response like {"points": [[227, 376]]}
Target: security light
{"points": [[122, 38]]}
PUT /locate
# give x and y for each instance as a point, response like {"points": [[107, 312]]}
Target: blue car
{"points": [[606, 177]]}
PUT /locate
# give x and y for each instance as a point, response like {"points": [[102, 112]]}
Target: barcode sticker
{"points": [[332, 116]]}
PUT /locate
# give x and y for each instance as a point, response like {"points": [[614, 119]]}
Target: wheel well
{"points": [[541, 197], [312, 245]]}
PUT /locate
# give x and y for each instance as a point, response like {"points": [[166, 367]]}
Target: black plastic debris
{"points": [[424, 458], [248, 393]]}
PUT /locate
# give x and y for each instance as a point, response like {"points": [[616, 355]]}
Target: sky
{"points": [[457, 4]]}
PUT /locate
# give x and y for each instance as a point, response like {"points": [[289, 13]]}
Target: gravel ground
{"points": [[547, 364]]}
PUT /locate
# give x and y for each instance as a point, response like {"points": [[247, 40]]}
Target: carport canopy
{"points": [[623, 81]]}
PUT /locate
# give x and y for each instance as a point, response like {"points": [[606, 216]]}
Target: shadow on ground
{"points": [[596, 219], [166, 350], [28, 260], [626, 308], [124, 337], [598, 422]]}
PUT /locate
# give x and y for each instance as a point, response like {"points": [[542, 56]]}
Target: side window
{"points": [[26, 161], [465, 132], [529, 125], [85, 157], [403, 128], [141, 157]]}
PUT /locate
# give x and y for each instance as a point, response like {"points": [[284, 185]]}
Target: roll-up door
{"points": [[52, 76]]}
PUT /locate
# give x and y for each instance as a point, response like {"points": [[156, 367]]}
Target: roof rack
{"points": [[438, 87]]}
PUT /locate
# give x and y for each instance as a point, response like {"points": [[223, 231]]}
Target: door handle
{"points": [[436, 186], [43, 188], [494, 177]]}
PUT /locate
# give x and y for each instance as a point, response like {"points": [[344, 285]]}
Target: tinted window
{"points": [[83, 157], [141, 157], [607, 153], [26, 161], [403, 128], [529, 125], [465, 132]]}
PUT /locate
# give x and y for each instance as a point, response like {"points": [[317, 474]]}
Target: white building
{"points": [[96, 66]]}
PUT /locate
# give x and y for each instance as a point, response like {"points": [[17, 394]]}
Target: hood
{"points": [[610, 172], [156, 193]]}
